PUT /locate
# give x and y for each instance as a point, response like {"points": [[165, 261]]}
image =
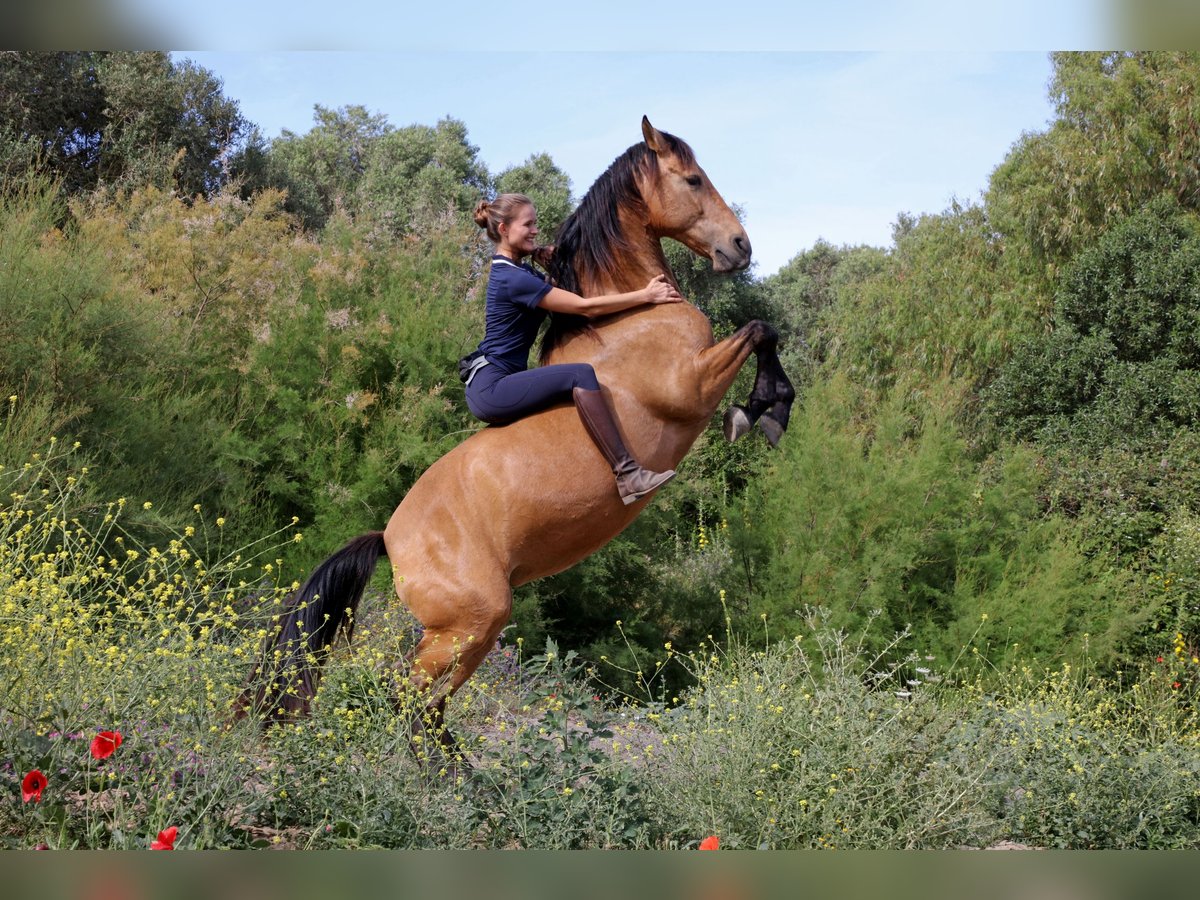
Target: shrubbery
{"points": [[995, 454], [123, 663]]}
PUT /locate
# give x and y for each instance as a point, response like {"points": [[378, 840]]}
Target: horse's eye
{"points": [[693, 180]]}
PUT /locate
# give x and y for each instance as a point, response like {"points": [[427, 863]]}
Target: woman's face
{"points": [[520, 234]]}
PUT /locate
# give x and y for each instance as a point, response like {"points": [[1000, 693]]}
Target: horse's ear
{"points": [[654, 140]]}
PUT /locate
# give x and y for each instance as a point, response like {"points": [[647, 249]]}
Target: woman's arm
{"points": [[659, 290]]}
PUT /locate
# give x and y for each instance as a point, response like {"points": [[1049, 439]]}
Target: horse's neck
{"points": [[641, 261], [623, 334]]}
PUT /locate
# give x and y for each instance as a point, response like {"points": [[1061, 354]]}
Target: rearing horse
{"points": [[525, 500]]}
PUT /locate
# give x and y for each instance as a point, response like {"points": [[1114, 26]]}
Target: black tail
{"points": [[285, 681]]}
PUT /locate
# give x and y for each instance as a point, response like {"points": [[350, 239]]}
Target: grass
{"points": [[809, 742]]}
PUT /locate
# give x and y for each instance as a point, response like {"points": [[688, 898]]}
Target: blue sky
{"points": [[821, 120], [812, 145], [636, 25]]}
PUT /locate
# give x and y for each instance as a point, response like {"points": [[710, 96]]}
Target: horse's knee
{"points": [[762, 335]]}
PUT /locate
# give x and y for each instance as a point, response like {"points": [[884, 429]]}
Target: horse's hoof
{"points": [[772, 429], [737, 423]]}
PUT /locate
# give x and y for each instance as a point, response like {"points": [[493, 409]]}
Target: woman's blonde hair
{"points": [[502, 210]]}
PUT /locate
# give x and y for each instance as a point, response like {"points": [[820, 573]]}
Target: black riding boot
{"points": [[633, 482]]}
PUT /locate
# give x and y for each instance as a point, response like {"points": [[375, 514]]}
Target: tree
{"points": [[52, 112], [418, 174], [1126, 131], [320, 170], [208, 128], [943, 304], [123, 119], [168, 124], [804, 291], [1122, 364]]}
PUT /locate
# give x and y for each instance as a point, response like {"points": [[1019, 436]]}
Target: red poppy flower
{"points": [[166, 839], [32, 786], [712, 842], [1160, 659], [105, 744], [1176, 686]]}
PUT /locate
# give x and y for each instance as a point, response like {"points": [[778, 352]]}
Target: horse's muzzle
{"points": [[733, 255]]}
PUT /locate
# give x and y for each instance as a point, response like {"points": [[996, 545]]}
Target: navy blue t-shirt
{"points": [[513, 315]]}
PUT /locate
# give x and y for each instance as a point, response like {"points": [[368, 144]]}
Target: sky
{"points": [[821, 121], [811, 145]]}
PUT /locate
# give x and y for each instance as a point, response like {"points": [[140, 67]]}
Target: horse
{"points": [[521, 501]]}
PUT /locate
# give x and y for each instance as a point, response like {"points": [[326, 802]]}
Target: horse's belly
{"points": [[523, 502], [556, 541]]}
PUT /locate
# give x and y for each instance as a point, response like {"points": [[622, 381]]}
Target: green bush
{"points": [[825, 740], [1120, 366], [1091, 764], [885, 510], [819, 743]]}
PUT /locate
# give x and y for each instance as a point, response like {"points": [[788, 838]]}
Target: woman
{"points": [[500, 387]]}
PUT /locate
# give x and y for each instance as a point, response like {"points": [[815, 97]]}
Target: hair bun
{"points": [[481, 213]]}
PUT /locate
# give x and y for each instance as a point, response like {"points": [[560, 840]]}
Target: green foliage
{"points": [[319, 170], [1090, 764], [167, 124], [351, 386], [1173, 561], [817, 741], [1111, 392], [944, 304], [51, 110], [102, 632], [393, 180], [417, 175], [1121, 365], [1123, 135], [808, 745], [120, 119], [81, 344], [887, 512], [803, 292], [557, 781]]}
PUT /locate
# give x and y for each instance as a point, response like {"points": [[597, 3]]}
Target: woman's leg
{"points": [[633, 482], [499, 398]]}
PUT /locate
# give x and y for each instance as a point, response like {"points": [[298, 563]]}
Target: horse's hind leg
{"points": [[443, 661], [457, 638]]}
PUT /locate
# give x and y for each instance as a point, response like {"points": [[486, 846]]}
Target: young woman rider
{"points": [[500, 387]]}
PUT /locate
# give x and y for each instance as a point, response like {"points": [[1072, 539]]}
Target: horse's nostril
{"points": [[740, 243]]}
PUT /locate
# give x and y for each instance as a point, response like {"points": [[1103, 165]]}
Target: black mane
{"points": [[588, 241]]}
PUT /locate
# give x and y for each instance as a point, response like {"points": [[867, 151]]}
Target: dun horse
{"points": [[525, 500]]}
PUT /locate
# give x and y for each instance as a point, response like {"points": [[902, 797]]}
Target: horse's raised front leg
{"points": [[770, 402]]}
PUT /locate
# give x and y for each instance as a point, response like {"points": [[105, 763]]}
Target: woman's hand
{"points": [[659, 290], [542, 255]]}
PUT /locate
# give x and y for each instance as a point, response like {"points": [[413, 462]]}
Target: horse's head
{"points": [[683, 204]]}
